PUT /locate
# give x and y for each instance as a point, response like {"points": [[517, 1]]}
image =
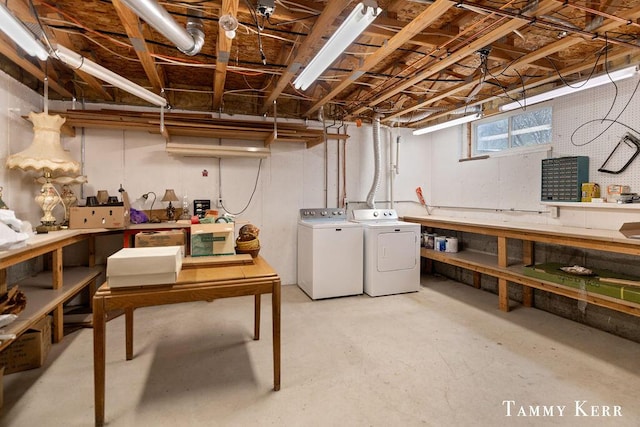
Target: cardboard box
{"points": [[29, 350], [98, 217], [590, 190], [631, 230], [614, 191], [212, 239], [144, 266], [147, 239]]}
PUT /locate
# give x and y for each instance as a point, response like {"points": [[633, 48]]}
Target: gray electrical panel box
{"points": [[562, 178]]}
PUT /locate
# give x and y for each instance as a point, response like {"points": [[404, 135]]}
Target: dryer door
{"points": [[396, 251]]}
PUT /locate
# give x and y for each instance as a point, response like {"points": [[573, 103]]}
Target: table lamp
{"points": [[67, 196], [46, 155], [170, 196]]}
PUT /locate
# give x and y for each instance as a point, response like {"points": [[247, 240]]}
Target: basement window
{"points": [[511, 132]]}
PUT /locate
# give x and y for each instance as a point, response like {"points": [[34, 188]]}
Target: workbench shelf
{"points": [[42, 299], [484, 263], [47, 291], [507, 270]]}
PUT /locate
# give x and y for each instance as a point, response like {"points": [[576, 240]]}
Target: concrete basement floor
{"points": [[444, 356]]}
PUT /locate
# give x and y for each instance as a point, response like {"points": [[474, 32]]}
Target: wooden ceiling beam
{"points": [[520, 63], [64, 39], [223, 46], [619, 53], [423, 20], [451, 58], [133, 27], [304, 53], [8, 49]]}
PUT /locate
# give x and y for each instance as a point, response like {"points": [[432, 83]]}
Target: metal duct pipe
{"points": [[377, 163], [189, 41]]}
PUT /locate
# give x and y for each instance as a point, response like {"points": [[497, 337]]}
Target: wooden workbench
{"points": [[506, 270]]}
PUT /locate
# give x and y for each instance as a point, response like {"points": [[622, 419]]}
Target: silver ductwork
{"points": [[189, 41], [377, 163]]}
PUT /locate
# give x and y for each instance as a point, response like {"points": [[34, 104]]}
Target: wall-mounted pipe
{"points": [[377, 163], [189, 41], [392, 167]]}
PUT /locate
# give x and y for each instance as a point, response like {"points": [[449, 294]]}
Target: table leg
{"points": [[128, 325], [99, 341], [256, 317], [275, 309]]}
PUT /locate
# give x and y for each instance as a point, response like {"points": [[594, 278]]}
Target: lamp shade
{"points": [[169, 196], [45, 152]]}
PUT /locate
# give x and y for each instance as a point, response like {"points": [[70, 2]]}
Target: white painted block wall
{"points": [[294, 177]]}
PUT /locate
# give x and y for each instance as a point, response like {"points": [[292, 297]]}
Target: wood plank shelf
{"points": [[485, 263], [47, 291], [42, 299], [199, 125]]}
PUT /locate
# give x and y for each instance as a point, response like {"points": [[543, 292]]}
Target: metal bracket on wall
{"points": [[629, 141]]}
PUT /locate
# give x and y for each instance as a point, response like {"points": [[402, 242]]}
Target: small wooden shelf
{"points": [[42, 299]]}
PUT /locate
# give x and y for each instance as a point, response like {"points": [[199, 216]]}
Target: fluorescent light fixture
{"points": [[450, 123], [201, 150], [12, 27], [79, 62], [600, 80], [359, 19]]}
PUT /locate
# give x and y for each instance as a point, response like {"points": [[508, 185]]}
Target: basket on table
{"points": [[247, 241]]}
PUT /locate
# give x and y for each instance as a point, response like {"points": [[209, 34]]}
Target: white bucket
{"points": [[451, 244]]}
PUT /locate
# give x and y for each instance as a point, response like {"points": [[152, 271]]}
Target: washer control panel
{"points": [[323, 213]]}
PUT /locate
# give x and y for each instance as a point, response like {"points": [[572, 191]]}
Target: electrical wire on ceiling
{"points": [[419, 64], [84, 27], [255, 18]]}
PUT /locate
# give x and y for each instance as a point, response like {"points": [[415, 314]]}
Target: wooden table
{"points": [[201, 282]]}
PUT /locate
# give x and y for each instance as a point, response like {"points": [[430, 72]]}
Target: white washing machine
{"points": [[391, 252], [330, 253]]}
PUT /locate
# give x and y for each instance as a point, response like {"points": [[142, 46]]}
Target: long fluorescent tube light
{"points": [[79, 62], [200, 150], [599, 80], [450, 123], [359, 19], [12, 27]]}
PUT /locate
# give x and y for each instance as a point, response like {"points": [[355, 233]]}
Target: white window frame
{"points": [[510, 132]]}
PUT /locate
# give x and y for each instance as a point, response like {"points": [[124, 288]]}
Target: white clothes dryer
{"points": [[391, 252]]}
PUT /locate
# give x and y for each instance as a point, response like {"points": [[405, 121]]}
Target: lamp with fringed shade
{"points": [[46, 155]]}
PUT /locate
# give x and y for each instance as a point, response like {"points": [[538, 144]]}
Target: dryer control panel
{"points": [[375, 215]]}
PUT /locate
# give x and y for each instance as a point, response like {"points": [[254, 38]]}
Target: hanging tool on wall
{"points": [[421, 199], [629, 141]]}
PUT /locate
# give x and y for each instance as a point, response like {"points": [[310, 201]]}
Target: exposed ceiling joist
{"points": [[223, 46]]}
